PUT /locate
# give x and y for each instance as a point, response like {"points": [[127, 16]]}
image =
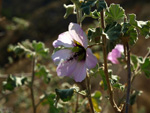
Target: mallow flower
{"points": [[75, 57], [115, 54]]}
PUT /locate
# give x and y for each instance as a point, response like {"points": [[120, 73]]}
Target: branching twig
{"points": [[110, 90], [31, 85]]}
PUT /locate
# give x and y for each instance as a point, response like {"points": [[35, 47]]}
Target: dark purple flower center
{"points": [[79, 53]]}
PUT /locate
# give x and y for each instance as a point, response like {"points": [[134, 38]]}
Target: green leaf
{"points": [[145, 67], [114, 80], [97, 95], [50, 100], [134, 96], [86, 6], [43, 72], [115, 13], [18, 50], [101, 4], [94, 14], [69, 10], [40, 49], [132, 20], [113, 31], [21, 22], [134, 61], [94, 32], [96, 99], [64, 94], [103, 78], [13, 81], [145, 29], [130, 32]]}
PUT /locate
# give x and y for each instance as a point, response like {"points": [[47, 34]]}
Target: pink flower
{"points": [[115, 54], [75, 58]]}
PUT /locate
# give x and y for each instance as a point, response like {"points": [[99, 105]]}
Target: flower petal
{"points": [[91, 60], [112, 56], [78, 34], [119, 47], [66, 68], [79, 73], [64, 39], [60, 55]]}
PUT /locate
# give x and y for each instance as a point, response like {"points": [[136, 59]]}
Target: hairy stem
{"points": [[89, 93], [128, 80], [110, 89], [31, 85]]}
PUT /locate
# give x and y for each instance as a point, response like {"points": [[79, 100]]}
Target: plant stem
{"points": [[128, 80], [31, 85], [110, 89], [90, 46], [89, 92], [77, 105]]}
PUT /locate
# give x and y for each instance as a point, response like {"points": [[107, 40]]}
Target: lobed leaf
{"points": [[145, 29], [115, 13], [130, 32], [113, 31], [94, 32], [12, 82], [40, 49]]}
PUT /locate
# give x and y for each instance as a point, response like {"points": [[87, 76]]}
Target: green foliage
{"points": [[43, 72], [64, 94], [145, 29], [94, 14], [40, 49], [18, 50], [134, 61], [134, 96], [87, 5], [130, 32], [101, 4], [145, 67], [18, 24], [69, 10], [96, 99], [29, 49], [115, 13], [103, 78], [12, 82], [133, 21], [94, 33], [49, 99], [113, 31], [114, 79]]}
